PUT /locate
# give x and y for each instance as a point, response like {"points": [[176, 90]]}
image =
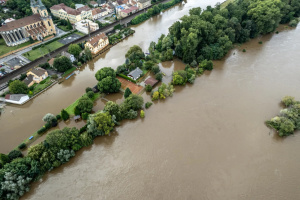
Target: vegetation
{"points": [[148, 88], [127, 93], [163, 92], [108, 83], [142, 114], [6, 49], [148, 105], [62, 64], [18, 87], [64, 115], [75, 50], [43, 50]]}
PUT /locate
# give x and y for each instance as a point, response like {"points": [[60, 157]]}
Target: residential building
{"points": [[98, 13], [94, 4], [143, 3], [86, 26], [97, 43], [78, 6], [151, 81], [135, 74], [73, 15], [129, 11], [68, 55], [35, 76], [3, 2], [16, 98], [36, 26]]}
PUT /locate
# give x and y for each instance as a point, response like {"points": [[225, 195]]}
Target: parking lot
{"points": [[69, 39], [11, 65]]}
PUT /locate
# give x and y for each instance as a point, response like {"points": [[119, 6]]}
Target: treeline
{"points": [[210, 33], [153, 11]]}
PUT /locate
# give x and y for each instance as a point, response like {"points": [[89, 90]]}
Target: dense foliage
{"points": [[18, 87], [62, 64], [289, 118]]}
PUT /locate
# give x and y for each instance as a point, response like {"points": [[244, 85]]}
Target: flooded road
{"points": [[209, 141]]}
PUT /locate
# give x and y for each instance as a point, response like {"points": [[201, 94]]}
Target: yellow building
{"points": [[36, 26], [35, 76], [97, 43], [73, 15], [143, 3]]}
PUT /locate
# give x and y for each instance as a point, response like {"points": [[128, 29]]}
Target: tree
{"points": [[288, 101], [105, 72], [85, 105], [113, 109], [64, 115], [62, 64], [109, 85], [134, 102], [75, 50], [148, 65], [15, 154], [127, 93], [206, 65], [100, 123], [135, 53], [69, 25], [155, 69], [148, 88], [142, 114], [179, 77], [3, 159], [18, 87], [88, 54], [90, 94], [49, 118], [159, 76], [266, 14]]}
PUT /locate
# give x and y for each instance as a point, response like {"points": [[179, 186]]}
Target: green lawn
{"points": [[5, 49], [70, 108], [69, 71], [79, 33], [39, 87], [34, 54], [64, 28]]}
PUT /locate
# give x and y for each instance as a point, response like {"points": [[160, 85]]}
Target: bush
{"points": [[206, 65], [159, 76], [127, 93], [293, 23], [58, 117], [15, 154], [84, 116], [54, 76], [79, 64], [48, 125], [148, 105], [22, 146], [83, 129], [43, 81], [244, 50], [76, 111], [90, 94], [127, 78], [88, 89], [155, 69], [42, 130], [148, 88], [288, 101], [142, 114]]}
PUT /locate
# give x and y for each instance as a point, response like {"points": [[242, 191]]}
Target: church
{"points": [[36, 26]]}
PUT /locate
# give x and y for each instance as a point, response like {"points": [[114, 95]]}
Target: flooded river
{"points": [[209, 141]]}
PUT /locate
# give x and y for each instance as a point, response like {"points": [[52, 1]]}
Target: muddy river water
{"points": [[209, 141]]}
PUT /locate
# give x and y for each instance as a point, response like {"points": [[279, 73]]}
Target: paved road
{"points": [[44, 59]]}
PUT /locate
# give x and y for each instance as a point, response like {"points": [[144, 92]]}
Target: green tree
{"points": [[159, 76], [49, 118], [105, 72], [109, 85], [135, 53], [64, 114], [62, 64], [206, 65], [127, 93], [75, 50], [100, 123], [18, 87], [142, 114], [113, 109], [134, 102], [85, 105], [15, 154], [69, 25], [179, 77], [288, 101], [148, 88]]}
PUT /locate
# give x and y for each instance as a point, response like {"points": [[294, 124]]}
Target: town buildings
{"points": [[97, 43], [143, 3], [35, 76], [129, 11], [73, 15], [36, 26]]}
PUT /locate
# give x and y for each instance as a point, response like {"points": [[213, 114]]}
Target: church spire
{"points": [[32, 3]]}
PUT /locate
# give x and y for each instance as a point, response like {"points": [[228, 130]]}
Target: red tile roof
{"points": [[94, 40], [69, 10]]}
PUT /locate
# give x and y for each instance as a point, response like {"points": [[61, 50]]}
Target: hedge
{"points": [[127, 78], [22, 146]]}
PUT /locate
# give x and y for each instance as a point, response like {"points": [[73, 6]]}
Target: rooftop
{"points": [[38, 71], [21, 22], [151, 81], [94, 40], [28, 79], [136, 73]]}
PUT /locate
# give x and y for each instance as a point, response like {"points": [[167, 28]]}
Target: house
{"points": [[94, 4], [143, 3], [129, 11], [16, 98], [98, 13], [86, 26], [151, 81], [97, 43], [135, 74], [35, 76], [51, 62], [68, 55], [78, 6], [8, 20]]}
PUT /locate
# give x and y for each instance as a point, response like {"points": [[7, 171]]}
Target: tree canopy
{"points": [[62, 64], [18, 87]]}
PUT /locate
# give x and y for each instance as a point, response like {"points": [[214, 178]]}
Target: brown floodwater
{"points": [[209, 141]]}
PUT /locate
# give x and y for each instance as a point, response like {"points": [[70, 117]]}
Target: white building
{"points": [[85, 25], [16, 98]]}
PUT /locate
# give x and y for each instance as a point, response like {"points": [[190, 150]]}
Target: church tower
{"points": [[38, 7]]}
